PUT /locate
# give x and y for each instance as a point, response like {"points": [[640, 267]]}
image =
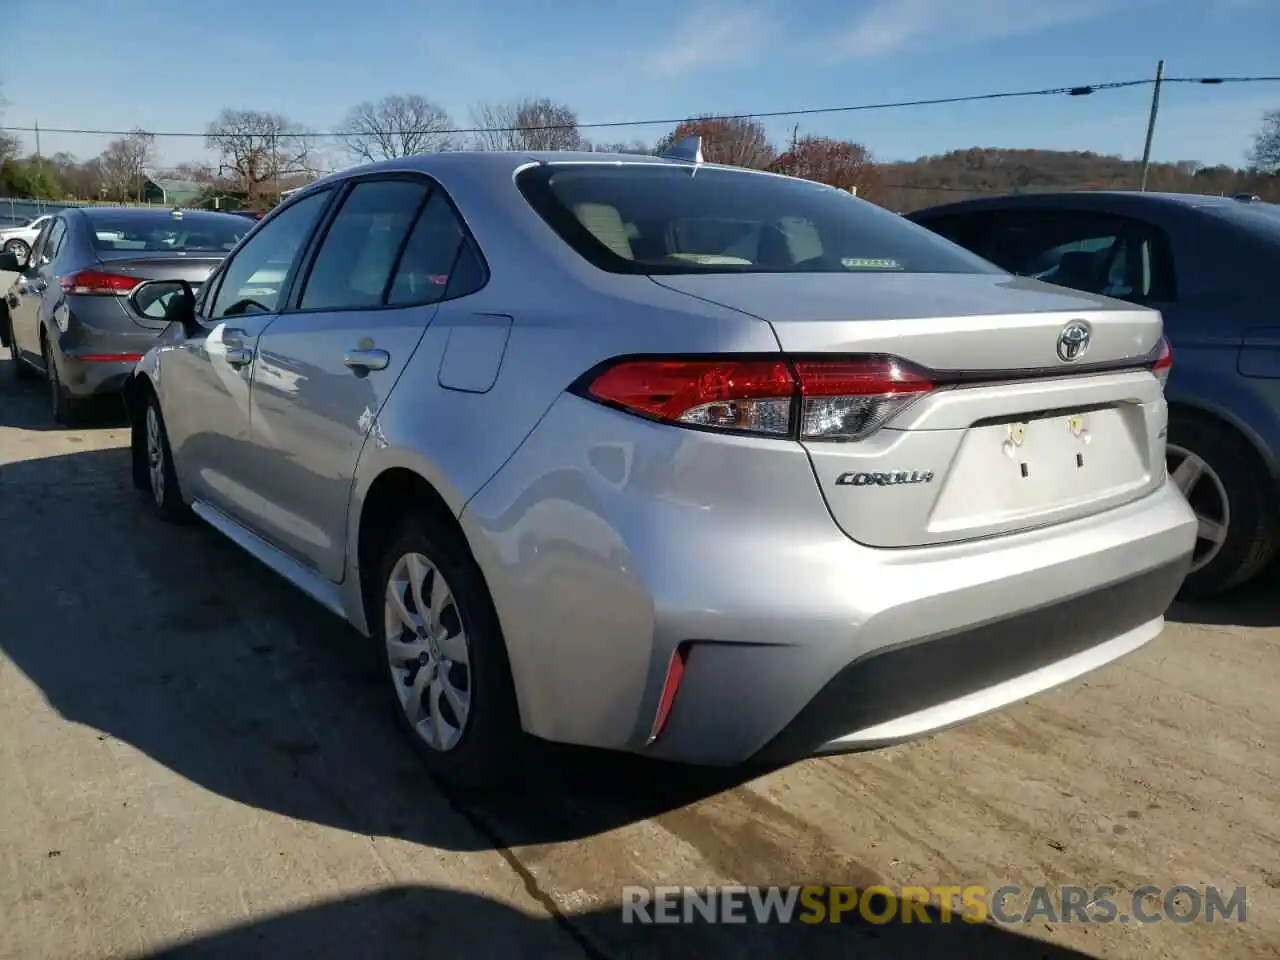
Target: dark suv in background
{"points": [[1211, 265]]}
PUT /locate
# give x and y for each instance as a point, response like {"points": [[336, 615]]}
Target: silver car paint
{"points": [[606, 539]]}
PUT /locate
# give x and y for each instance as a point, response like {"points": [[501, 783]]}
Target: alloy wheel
{"points": [[1204, 490], [427, 652]]}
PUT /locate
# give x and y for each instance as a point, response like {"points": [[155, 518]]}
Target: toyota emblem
{"points": [[1073, 341]]}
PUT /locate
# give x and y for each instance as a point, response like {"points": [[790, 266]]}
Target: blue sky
{"points": [[170, 65]]}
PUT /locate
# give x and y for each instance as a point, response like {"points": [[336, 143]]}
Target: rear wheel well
{"points": [[1221, 423], [394, 494]]}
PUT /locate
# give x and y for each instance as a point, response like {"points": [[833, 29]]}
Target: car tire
{"points": [[19, 248], [21, 370], [1234, 497], [67, 411], [481, 745], [162, 478]]}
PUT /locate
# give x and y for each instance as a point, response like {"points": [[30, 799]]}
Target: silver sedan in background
{"points": [[68, 317], [654, 455]]}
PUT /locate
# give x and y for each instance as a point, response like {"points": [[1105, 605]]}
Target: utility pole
{"points": [[1151, 123], [795, 138], [39, 161]]}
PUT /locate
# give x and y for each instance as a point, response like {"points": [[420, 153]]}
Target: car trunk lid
{"points": [[193, 267], [1029, 422]]}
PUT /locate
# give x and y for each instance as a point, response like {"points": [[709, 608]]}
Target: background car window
{"points": [[360, 248], [53, 243], [256, 278], [440, 259], [1107, 255], [162, 232], [38, 245]]}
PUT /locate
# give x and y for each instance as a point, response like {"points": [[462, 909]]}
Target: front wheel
{"points": [[444, 657], [1234, 501]]}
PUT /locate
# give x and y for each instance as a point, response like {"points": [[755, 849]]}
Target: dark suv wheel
{"points": [[1234, 499]]}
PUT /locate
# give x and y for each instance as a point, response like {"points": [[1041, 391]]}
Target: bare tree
{"points": [[123, 164], [1265, 156], [838, 163], [258, 148], [732, 140], [10, 145], [191, 170], [620, 146], [527, 124], [395, 126]]}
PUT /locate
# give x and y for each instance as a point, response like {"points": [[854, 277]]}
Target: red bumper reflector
{"points": [[110, 357], [675, 673]]}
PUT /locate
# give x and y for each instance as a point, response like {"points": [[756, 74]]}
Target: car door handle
{"points": [[238, 356], [367, 359]]}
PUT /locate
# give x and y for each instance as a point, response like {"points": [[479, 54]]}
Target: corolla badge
{"points": [[1073, 341], [889, 478]]}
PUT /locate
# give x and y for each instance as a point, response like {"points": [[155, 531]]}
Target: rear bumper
{"points": [[94, 377], [610, 543], [900, 692]]}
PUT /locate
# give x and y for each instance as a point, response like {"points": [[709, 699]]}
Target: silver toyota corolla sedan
{"points": [[654, 455]]}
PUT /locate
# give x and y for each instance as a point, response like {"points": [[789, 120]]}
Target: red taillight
{"points": [[818, 398], [1164, 362], [731, 394], [96, 283]]}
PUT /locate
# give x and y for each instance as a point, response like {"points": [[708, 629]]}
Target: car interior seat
{"points": [[606, 225]]}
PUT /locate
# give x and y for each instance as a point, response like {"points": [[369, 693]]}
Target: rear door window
{"points": [[440, 260], [1096, 253], [361, 246]]}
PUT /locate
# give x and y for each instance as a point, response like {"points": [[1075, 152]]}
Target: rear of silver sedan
{"points": [[943, 492]]}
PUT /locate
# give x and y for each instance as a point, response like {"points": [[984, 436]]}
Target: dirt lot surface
{"points": [[195, 758]]}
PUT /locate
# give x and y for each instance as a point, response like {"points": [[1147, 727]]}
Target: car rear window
{"points": [[670, 219], [165, 233]]}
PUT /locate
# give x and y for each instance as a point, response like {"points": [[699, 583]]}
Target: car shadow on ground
{"points": [[412, 921], [1256, 604], [174, 641]]}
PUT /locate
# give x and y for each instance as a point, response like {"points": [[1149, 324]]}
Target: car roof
{"points": [[502, 164], [148, 213], [1085, 200]]}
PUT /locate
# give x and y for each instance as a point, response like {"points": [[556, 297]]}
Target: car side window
{"points": [[1096, 253], [359, 250], [53, 245], [441, 259], [34, 258], [970, 230], [257, 278]]}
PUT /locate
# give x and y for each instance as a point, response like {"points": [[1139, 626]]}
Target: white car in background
{"points": [[18, 240]]}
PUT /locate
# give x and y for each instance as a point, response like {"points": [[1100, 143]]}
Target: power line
{"points": [[1077, 91]]}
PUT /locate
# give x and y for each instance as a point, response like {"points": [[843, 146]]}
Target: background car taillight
{"points": [[1164, 362], [97, 283], [810, 399]]}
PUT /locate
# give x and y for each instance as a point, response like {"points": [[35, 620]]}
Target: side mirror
{"points": [[10, 263], [170, 300]]}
